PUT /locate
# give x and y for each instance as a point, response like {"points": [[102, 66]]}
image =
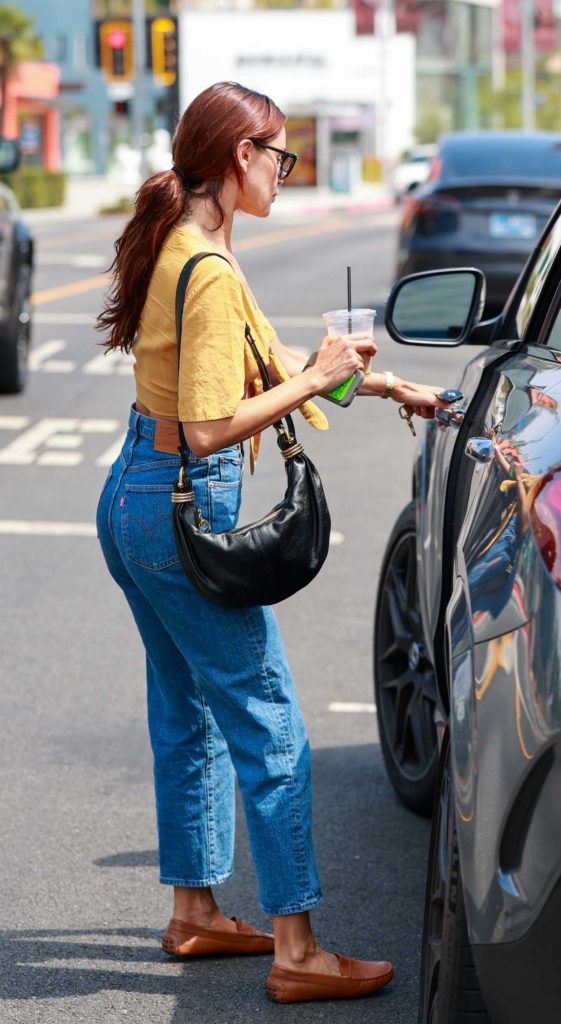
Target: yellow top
{"points": [[217, 368]]}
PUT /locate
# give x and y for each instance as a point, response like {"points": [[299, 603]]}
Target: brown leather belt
{"points": [[166, 437]]}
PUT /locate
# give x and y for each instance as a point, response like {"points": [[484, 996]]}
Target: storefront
{"points": [[32, 113], [327, 80]]}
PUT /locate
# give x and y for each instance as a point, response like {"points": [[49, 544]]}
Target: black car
{"points": [[467, 646], [16, 268], [487, 201]]}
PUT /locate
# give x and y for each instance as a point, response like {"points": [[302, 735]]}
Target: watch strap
{"points": [[390, 381]]}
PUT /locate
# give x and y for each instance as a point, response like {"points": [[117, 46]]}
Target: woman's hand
{"points": [[365, 346], [418, 399], [338, 359]]}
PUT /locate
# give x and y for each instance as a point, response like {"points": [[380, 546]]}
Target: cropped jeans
{"points": [[221, 698]]}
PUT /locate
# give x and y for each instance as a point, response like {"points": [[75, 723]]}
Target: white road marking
{"points": [[118, 362], [67, 441], [18, 527], [60, 458], [64, 318], [99, 426], [59, 366], [59, 434], [108, 457], [41, 353], [13, 422], [23, 450], [355, 708], [337, 537], [69, 259]]}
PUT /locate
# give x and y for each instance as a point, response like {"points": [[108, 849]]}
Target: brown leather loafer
{"points": [[357, 978], [184, 939]]}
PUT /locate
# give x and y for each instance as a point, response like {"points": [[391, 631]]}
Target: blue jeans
{"points": [[221, 698]]}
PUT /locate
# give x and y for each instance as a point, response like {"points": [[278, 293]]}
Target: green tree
{"points": [[18, 42], [502, 108], [17, 34], [433, 119]]}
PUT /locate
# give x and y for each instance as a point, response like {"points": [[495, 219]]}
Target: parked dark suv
{"points": [[486, 202], [467, 646], [16, 268]]}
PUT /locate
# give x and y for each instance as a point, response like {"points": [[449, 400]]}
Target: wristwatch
{"points": [[390, 381]]}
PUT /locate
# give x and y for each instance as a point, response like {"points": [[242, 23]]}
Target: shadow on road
{"points": [[372, 859], [129, 859]]}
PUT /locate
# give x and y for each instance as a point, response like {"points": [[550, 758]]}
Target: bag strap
{"points": [[286, 436]]}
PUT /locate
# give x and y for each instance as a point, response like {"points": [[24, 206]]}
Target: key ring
{"points": [[406, 416]]}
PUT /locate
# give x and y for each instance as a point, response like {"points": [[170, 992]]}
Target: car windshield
{"points": [[502, 158]]}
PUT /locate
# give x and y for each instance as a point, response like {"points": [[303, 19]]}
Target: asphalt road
{"points": [[81, 909]]}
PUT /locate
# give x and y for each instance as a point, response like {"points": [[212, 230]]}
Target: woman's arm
{"points": [[420, 399], [293, 362], [335, 362]]}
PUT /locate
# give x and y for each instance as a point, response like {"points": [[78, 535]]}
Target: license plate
{"points": [[512, 225]]}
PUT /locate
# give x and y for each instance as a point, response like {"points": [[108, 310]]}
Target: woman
{"points": [[221, 698]]}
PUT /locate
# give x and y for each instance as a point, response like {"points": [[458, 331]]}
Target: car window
{"points": [[534, 285], [503, 157]]}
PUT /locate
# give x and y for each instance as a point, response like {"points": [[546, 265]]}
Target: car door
{"points": [[444, 470], [503, 626]]}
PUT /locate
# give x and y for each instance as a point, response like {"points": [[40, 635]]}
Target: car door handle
{"points": [[480, 449], [451, 417]]}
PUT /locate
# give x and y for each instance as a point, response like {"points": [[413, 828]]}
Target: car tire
{"points": [[15, 338], [449, 988], [404, 679]]}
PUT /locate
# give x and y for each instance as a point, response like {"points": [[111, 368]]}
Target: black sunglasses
{"points": [[286, 162]]}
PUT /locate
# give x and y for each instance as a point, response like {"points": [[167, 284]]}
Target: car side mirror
{"points": [[9, 155], [436, 307]]}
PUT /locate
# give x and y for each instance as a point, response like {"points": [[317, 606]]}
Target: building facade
{"points": [[347, 97]]}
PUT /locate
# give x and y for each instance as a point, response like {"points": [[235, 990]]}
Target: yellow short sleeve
{"points": [[212, 368]]}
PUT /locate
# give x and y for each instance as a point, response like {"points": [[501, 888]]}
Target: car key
{"points": [[451, 395], [405, 416]]}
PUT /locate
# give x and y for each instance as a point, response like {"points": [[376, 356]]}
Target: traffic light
{"points": [[116, 50], [164, 50]]}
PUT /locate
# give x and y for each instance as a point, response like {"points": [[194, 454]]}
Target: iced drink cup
{"points": [[350, 321]]}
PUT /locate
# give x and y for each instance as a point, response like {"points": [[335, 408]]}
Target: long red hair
{"points": [[204, 149]]}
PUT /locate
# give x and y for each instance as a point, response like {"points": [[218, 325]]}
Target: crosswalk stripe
{"points": [[352, 707], [24, 528]]}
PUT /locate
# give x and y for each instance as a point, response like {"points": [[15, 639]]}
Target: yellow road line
{"points": [[88, 284], [62, 291]]}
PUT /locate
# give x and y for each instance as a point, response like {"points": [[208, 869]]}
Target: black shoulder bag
{"points": [[266, 561]]}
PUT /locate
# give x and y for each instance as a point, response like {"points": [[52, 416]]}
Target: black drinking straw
{"points": [[349, 305]]}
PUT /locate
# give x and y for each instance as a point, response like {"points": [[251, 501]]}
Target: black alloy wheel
{"points": [[404, 679], [449, 989]]}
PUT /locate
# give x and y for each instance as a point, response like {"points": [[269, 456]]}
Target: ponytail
{"points": [[160, 202]]}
